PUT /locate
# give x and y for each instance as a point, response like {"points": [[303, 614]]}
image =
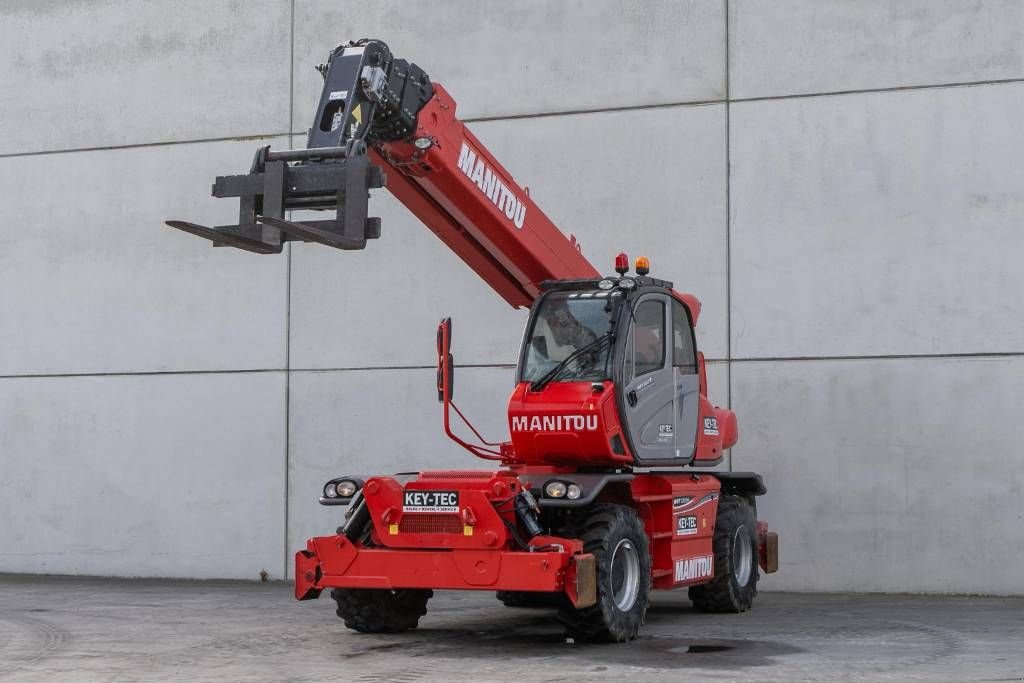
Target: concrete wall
{"points": [[839, 182]]}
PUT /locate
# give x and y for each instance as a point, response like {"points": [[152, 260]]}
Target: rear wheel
{"points": [[735, 545], [616, 538], [372, 610]]}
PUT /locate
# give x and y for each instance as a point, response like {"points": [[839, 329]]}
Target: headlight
{"points": [[330, 491], [573, 491], [346, 488], [555, 489]]}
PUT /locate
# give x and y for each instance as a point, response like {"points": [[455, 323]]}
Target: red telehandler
{"points": [[598, 496]]}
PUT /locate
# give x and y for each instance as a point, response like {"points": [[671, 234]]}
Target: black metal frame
{"points": [[328, 178], [367, 96]]}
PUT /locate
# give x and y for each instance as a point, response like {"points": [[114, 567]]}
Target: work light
{"points": [[555, 489], [346, 488]]}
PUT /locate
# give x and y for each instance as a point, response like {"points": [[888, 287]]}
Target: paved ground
{"points": [[74, 629]]}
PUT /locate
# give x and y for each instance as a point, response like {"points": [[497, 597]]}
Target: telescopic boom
{"points": [[381, 122]]}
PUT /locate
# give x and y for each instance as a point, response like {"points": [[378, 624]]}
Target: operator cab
{"points": [[609, 374]]}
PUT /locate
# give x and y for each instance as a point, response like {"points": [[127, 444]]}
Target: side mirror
{"points": [[445, 362]]}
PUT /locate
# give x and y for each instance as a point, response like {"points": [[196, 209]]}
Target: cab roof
{"points": [[689, 300]]}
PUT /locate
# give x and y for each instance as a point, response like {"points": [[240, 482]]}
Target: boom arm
{"points": [[382, 122]]}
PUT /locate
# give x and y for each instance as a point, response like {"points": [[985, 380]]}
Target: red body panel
{"points": [[681, 555], [568, 423], [475, 525], [334, 561]]}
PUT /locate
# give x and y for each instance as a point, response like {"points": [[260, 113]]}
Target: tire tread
{"points": [[722, 594], [596, 623], [372, 610]]}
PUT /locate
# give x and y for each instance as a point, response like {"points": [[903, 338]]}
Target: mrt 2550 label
{"points": [[430, 501]]}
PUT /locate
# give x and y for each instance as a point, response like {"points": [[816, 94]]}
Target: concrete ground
{"points": [[93, 629]]}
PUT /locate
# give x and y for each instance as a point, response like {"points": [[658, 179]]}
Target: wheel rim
{"points": [[625, 574], [743, 556]]}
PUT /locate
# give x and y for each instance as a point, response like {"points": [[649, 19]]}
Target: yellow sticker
{"points": [[393, 529], [467, 531], [357, 114], [704, 522]]}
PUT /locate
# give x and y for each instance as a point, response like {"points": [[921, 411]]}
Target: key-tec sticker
{"points": [[686, 525], [430, 501], [711, 426]]}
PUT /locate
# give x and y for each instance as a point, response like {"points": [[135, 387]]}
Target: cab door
{"points": [[687, 382], [648, 400]]}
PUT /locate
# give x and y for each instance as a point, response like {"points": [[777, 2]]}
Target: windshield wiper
{"points": [[555, 371]]}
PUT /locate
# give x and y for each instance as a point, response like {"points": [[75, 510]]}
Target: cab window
{"points": [[684, 356], [645, 348], [564, 324]]}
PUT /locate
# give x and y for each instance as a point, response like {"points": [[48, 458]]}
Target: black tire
{"points": [[372, 610], [607, 531], [530, 599], [733, 588]]}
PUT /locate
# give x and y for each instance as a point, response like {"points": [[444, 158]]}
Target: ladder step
{"points": [[653, 499]]}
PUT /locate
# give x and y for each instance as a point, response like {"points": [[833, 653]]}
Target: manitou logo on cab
{"points": [[554, 423], [487, 181]]}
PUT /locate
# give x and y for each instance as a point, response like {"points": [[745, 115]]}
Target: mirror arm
{"points": [[445, 385]]}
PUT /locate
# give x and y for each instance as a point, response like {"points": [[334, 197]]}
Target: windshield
{"points": [[564, 323]]}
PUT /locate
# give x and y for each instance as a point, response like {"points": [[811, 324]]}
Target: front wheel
{"points": [[616, 538], [373, 610], [735, 546]]}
